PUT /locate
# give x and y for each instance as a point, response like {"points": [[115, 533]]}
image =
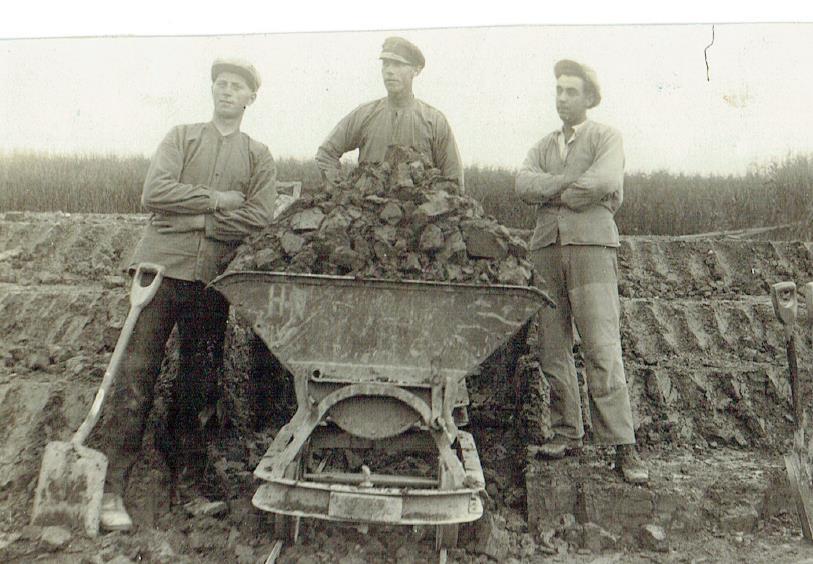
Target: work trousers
{"points": [[583, 280], [201, 315]]}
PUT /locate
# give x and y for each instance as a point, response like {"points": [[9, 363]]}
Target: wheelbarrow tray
{"points": [[345, 329]]}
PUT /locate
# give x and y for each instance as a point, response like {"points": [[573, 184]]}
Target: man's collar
{"points": [[576, 129], [402, 103], [226, 136]]}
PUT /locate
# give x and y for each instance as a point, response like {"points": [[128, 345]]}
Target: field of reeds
{"points": [[659, 203]]}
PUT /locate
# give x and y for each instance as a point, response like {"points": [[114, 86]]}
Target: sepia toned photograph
{"points": [[484, 293]]}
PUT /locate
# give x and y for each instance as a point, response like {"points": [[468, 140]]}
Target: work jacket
{"points": [[374, 126], [191, 163], [576, 197]]}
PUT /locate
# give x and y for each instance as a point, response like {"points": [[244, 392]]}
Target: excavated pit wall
{"points": [[703, 351]]}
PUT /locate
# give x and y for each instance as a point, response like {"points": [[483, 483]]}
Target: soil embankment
{"points": [[705, 362]]}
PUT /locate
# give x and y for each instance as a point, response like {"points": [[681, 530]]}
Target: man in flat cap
{"points": [[398, 119], [575, 177], [208, 186]]}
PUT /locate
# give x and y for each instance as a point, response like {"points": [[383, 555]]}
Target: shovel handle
{"points": [[140, 296], [807, 292], [795, 389]]}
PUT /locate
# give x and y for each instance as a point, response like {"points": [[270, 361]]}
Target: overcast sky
{"points": [[495, 86]]}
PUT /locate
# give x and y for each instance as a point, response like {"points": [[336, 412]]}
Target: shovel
{"points": [[71, 481], [783, 296]]}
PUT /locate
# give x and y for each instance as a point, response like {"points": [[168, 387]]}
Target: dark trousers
{"points": [[201, 316]]}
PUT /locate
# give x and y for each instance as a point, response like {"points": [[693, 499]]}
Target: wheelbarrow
{"points": [[378, 365]]}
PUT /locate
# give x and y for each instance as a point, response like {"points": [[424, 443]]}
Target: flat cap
{"points": [[399, 49], [238, 66], [588, 75]]}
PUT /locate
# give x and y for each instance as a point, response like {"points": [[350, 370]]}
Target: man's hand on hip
{"points": [[229, 200], [179, 223]]}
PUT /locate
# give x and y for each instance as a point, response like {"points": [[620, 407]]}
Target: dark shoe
{"points": [[557, 447], [630, 464], [114, 516]]}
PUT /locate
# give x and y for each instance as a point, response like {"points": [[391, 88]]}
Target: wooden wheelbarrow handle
{"points": [[140, 296]]}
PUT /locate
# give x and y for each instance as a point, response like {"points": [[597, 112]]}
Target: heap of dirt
{"points": [[399, 219], [659, 267], [62, 248]]}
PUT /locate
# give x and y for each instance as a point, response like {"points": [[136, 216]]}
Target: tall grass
{"points": [[666, 204], [70, 183], [494, 188], [659, 203]]}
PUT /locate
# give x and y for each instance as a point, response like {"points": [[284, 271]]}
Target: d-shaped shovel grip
{"points": [[785, 305], [141, 295]]}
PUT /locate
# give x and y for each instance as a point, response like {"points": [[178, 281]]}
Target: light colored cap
{"points": [[588, 75], [238, 66]]}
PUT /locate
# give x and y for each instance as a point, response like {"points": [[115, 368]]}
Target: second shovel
{"points": [[783, 296]]}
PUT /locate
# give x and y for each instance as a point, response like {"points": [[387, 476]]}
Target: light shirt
{"points": [[191, 162], [374, 126], [564, 146]]}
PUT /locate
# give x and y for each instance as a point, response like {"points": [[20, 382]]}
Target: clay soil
{"points": [[705, 363]]}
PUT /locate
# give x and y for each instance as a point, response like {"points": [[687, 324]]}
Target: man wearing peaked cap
{"points": [[399, 49], [237, 66], [588, 76], [575, 178], [208, 186], [397, 119]]}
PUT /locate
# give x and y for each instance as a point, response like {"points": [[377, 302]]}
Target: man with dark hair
{"points": [[208, 186], [398, 119], [575, 177]]}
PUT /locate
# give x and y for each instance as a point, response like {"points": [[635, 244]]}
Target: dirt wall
{"points": [[704, 354]]}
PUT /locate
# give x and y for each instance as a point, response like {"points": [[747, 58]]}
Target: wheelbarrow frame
{"points": [[431, 390], [451, 498]]}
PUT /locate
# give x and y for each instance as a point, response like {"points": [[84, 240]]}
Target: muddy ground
{"points": [[707, 372]]}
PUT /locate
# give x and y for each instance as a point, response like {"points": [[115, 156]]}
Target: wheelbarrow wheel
{"points": [[286, 527]]}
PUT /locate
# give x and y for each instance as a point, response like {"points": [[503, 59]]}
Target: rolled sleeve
{"points": [[446, 153], [343, 138], [163, 192], [534, 185]]}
